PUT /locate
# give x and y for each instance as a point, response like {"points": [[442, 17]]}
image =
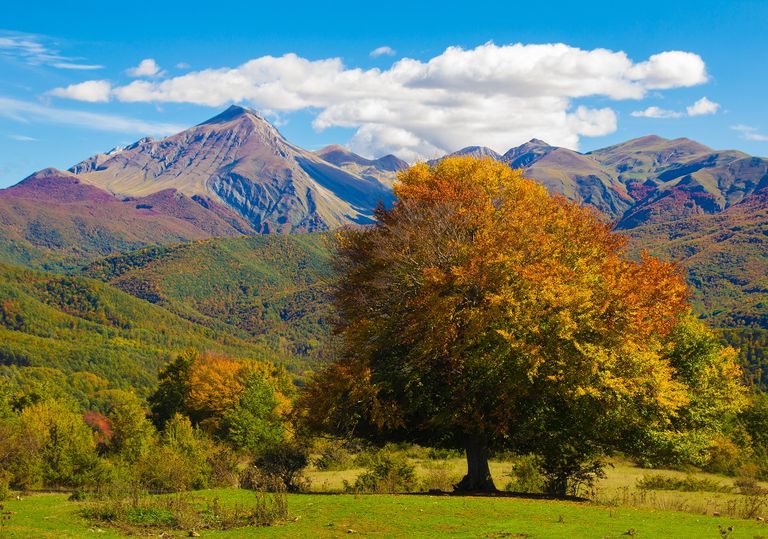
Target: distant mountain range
{"points": [[236, 174]]}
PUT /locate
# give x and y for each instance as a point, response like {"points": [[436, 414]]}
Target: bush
{"points": [[388, 473], [333, 456], [686, 484], [436, 453], [439, 476], [749, 487], [5, 489], [726, 457], [526, 475], [282, 464], [181, 513]]}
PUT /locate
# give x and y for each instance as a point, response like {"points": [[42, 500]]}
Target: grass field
{"points": [[617, 489], [330, 515], [326, 514]]}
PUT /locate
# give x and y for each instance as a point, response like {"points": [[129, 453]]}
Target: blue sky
{"points": [[465, 81]]}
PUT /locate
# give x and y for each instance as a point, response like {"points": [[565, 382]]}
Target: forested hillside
{"points": [[70, 324], [269, 289]]}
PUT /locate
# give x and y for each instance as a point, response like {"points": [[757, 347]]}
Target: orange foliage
{"points": [[476, 288], [216, 383]]}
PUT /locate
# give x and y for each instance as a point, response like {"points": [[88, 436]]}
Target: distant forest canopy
{"points": [[260, 297]]}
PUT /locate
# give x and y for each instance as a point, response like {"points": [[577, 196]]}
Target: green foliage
{"points": [[526, 475], [173, 388], [281, 466], [388, 472], [272, 290], [752, 344], [49, 444], [332, 455], [145, 513], [687, 484], [253, 425], [132, 432], [754, 419], [81, 325]]}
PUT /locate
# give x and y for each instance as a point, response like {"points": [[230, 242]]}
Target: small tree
{"points": [[482, 313], [253, 424], [132, 432], [173, 388]]}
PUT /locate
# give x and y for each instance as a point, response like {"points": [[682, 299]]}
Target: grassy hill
{"points": [[76, 324], [272, 290]]}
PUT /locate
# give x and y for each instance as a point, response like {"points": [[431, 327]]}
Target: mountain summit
{"points": [[239, 159]]}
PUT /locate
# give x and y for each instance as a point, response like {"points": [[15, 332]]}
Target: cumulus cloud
{"points": [[702, 107], [382, 51], [146, 68], [492, 95], [36, 50], [750, 133], [28, 112], [92, 91]]}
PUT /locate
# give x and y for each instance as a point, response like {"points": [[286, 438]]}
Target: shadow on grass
{"points": [[460, 494]]}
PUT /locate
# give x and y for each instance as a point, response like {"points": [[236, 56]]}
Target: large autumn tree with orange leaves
{"points": [[481, 313]]}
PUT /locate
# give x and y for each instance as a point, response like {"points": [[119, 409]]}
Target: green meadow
{"points": [[617, 509]]}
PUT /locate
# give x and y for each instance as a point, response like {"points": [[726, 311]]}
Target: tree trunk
{"points": [[478, 478]]}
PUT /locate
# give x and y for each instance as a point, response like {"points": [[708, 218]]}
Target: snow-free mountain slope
{"points": [[53, 216], [239, 159]]}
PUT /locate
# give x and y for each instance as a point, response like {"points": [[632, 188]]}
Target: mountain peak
{"points": [[537, 142], [233, 112], [333, 148], [528, 153], [478, 151], [50, 173]]}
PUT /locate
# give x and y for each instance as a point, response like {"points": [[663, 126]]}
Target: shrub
{"points": [[686, 484], [436, 453], [526, 475], [180, 512], [749, 487], [282, 464], [388, 473], [5, 489], [439, 476], [333, 456], [726, 457]]}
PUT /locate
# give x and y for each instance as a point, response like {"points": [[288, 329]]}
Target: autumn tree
{"points": [[242, 402], [482, 313]]}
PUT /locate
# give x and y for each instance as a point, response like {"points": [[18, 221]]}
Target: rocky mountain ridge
{"points": [[240, 160]]}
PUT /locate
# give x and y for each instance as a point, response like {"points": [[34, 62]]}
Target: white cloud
{"points": [[22, 138], [670, 69], [28, 112], [182, 65], [146, 68], [92, 91], [35, 50], [656, 112], [492, 95], [382, 51], [750, 133], [702, 107]]}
